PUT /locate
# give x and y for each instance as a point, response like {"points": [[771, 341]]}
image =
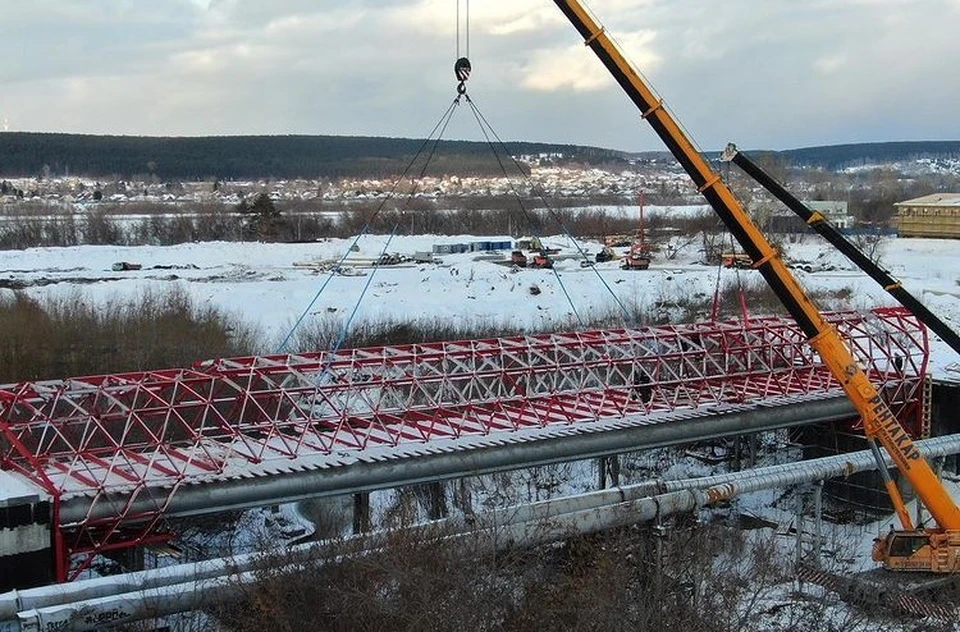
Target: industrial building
{"points": [[835, 211], [936, 215]]}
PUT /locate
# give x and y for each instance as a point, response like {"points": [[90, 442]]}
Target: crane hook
{"points": [[462, 71]]}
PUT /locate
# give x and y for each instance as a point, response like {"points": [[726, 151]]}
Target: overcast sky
{"points": [[765, 73]]}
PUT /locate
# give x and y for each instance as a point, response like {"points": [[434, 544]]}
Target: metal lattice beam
{"points": [[144, 435]]}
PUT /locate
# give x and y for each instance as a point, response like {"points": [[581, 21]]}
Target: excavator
{"points": [[911, 548]]}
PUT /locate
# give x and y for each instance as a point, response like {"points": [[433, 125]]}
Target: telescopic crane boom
{"points": [[879, 423], [829, 232]]}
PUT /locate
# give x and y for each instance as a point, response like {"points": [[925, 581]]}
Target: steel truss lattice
{"points": [[146, 434]]}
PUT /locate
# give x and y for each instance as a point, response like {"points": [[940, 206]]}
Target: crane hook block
{"points": [[462, 69]]}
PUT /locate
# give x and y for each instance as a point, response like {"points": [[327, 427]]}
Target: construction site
{"points": [[647, 429]]}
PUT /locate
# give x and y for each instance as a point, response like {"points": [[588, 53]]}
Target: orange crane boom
{"points": [[879, 422]]}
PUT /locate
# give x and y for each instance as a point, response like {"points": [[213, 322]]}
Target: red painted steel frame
{"points": [[149, 433]]}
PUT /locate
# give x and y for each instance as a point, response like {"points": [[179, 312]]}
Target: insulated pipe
{"points": [[821, 469], [120, 609], [179, 588], [158, 601], [569, 443], [553, 523]]}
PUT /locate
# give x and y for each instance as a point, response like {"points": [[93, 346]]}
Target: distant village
{"points": [[551, 181], [936, 215]]}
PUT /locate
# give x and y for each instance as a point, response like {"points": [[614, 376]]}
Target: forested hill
{"points": [[193, 158], [840, 156], [836, 157]]}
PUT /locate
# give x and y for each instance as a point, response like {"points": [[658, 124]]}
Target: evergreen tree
{"points": [[262, 220]]}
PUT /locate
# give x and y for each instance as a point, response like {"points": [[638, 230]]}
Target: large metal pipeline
{"points": [[567, 443], [91, 604]]}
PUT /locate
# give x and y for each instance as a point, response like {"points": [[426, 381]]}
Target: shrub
{"points": [[71, 336]]}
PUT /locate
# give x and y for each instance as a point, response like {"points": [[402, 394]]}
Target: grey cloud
{"points": [[766, 74]]}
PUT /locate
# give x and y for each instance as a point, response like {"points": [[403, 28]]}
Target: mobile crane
{"points": [[915, 549], [638, 258], [820, 224]]}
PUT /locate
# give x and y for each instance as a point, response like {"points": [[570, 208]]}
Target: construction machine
{"points": [[606, 254], [900, 550], [637, 259], [915, 549], [531, 243], [639, 256], [541, 260], [739, 260], [518, 259]]}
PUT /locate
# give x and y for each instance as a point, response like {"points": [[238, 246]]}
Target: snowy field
{"points": [[270, 285]]}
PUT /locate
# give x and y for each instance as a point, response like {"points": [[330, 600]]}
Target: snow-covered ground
{"points": [[260, 283]]}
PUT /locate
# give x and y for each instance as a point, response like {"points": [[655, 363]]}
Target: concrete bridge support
{"points": [[26, 541], [608, 471], [361, 513]]}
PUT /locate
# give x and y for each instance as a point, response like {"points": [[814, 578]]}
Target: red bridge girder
{"points": [[148, 433]]}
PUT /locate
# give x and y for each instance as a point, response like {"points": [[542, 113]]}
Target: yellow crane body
{"points": [[934, 550]]}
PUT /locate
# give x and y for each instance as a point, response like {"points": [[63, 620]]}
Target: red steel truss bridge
{"points": [[119, 454]]}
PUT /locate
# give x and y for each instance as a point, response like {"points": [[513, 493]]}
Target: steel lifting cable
{"points": [[466, 28], [441, 125], [484, 126], [462, 67], [345, 330], [530, 217], [461, 70]]}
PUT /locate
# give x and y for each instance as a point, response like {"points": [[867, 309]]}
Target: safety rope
{"points": [[440, 125], [741, 294], [345, 329], [715, 310]]}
